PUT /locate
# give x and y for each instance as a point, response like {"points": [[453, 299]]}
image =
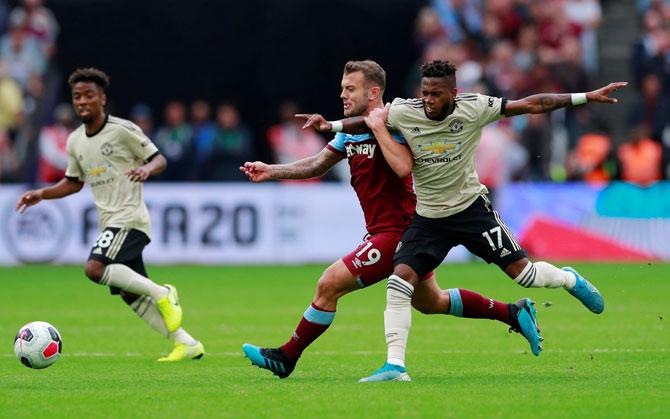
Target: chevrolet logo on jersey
{"points": [[441, 147], [96, 171]]}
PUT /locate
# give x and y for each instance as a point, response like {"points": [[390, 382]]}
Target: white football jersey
{"points": [[445, 177]]}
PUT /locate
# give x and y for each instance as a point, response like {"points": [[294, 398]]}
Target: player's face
{"points": [[354, 94], [437, 94], [88, 101]]}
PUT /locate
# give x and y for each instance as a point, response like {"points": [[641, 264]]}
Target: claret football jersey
{"points": [[101, 160], [387, 200], [445, 178]]}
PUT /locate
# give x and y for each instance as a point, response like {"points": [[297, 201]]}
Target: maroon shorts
{"points": [[372, 260]]}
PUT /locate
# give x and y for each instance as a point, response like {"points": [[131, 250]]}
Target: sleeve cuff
{"points": [[503, 104], [334, 150], [72, 178], [151, 157]]}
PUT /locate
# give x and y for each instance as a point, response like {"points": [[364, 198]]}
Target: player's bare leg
{"points": [[335, 282], [545, 275]]}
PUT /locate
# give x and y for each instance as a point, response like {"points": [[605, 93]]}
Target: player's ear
{"points": [[104, 99], [374, 92]]}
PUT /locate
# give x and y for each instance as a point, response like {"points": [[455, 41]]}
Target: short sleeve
{"points": [[397, 136], [395, 113], [337, 143], [140, 145], [489, 109], [73, 169]]}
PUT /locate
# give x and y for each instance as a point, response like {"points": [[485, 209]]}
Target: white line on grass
{"points": [[330, 353]]}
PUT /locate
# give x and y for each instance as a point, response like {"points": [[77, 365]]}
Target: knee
{"points": [[514, 269], [407, 274], [94, 270], [327, 286]]}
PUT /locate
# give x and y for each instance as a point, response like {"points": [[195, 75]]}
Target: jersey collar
{"points": [[100, 129]]}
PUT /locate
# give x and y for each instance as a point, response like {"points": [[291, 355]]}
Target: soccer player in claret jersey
{"points": [[443, 130], [114, 157], [388, 202]]}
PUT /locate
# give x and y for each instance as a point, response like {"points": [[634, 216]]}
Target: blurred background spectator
{"points": [[175, 140], [53, 156], [289, 142], [232, 146]]}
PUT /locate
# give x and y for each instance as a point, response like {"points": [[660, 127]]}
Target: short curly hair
{"points": [[89, 74], [439, 68]]}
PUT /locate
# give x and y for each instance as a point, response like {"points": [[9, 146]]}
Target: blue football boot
{"points": [[271, 359], [585, 292], [388, 372], [523, 312]]}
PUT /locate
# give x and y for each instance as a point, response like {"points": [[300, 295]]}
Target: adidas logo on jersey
{"points": [[415, 130], [504, 252]]}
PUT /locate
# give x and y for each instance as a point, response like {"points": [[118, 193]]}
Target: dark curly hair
{"points": [[89, 75], [439, 68]]}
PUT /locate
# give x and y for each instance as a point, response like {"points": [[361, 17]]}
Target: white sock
{"points": [[121, 276], [146, 309], [397, 318], [545, 275], [180, 335]]}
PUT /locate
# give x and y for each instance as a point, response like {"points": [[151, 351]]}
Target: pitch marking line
{"points": [[330, 353]]}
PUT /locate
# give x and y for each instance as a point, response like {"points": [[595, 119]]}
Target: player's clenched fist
{"points": [[28, 199], [377, 117], [256, 171]]}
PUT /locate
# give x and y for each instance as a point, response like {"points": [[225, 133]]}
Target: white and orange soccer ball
{"points": [[38, 345]]}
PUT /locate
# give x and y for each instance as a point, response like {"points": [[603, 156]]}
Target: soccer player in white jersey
{"points": [[443, 129], [114, 157]]}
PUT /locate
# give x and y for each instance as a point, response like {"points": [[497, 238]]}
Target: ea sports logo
{"points": [[38, 235]]}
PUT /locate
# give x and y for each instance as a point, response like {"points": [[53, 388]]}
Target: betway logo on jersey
{"points": [[364, 149]]}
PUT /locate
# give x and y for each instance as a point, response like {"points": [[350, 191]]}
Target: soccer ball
{"points": [[38, 345]]}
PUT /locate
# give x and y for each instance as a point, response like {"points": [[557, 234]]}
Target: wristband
{"points": [[336, 126], [578, 99]]}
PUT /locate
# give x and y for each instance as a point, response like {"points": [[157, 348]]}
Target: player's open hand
{"points": [[377, 117], [28, 199], [138, 174], [602, 95], [315, 120], [256, 171]]}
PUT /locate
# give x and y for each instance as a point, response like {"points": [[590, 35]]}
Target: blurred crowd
{"points": [[515, 48], [509, 48], [29, 89]]}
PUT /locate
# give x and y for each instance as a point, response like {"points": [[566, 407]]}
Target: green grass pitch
{"points": [[613, 365]]}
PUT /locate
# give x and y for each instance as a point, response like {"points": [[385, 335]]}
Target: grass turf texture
{"points": [[613, 365]]}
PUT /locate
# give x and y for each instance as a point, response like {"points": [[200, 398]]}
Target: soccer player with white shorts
{"points": [[114, 157], [443, 129]]}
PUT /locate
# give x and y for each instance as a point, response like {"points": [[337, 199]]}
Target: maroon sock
{"points": [[476, 306], [314, 322]]}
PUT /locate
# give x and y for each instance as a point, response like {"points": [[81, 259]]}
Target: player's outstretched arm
{"points": [[313, 166], [351, 125], [64, 187], [547, 102], [151, 168], [398, 156]]}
